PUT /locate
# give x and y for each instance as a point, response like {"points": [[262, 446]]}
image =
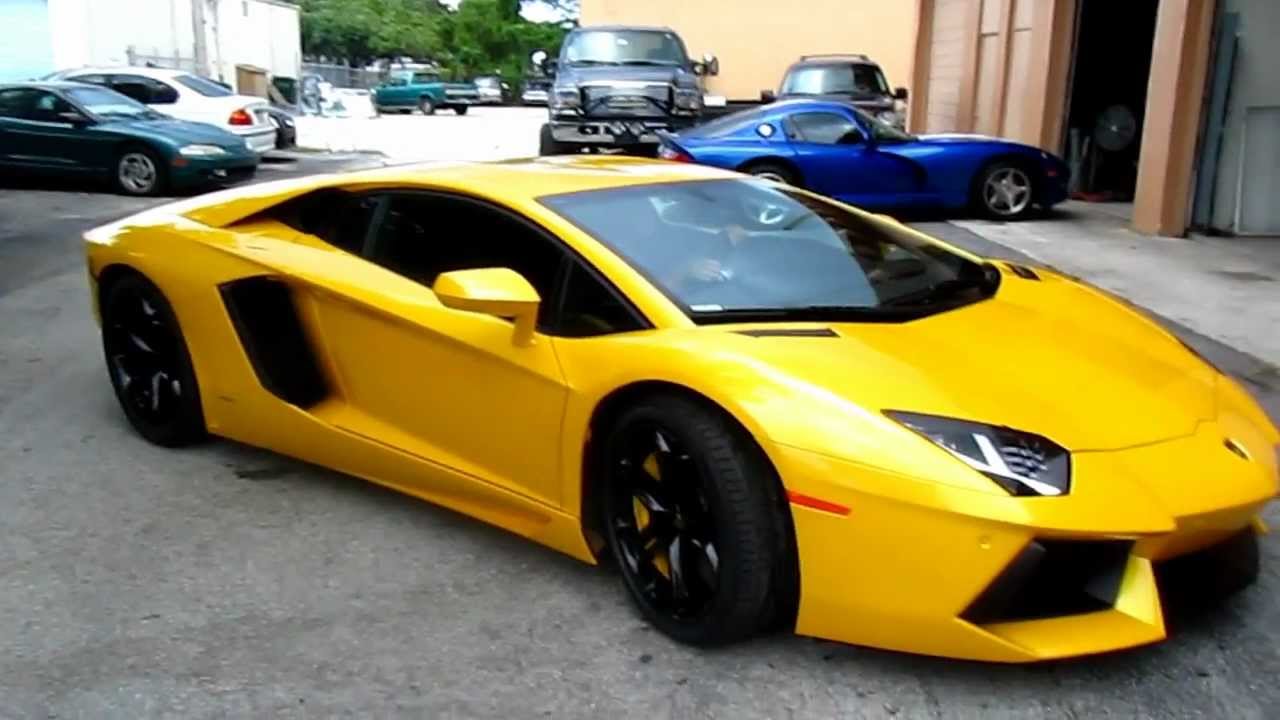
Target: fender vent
{"points": [[1023, 271], [266, 320], [789, 332]]}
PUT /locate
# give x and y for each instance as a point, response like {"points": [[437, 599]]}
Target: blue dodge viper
{"points": [[838, 150]]}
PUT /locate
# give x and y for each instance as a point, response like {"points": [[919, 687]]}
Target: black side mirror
{"points": [[767, 96], [900, 93], [853, 137], [74, 118]]}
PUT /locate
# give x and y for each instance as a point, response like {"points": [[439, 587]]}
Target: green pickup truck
{"points": [[406, 90]]}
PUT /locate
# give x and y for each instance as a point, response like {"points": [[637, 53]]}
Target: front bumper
{"points": [[455, 100], [198, 172], [616, 131], [928, 569]]}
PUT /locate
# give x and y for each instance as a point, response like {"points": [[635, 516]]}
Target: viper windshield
{"points": [[746, 251]]}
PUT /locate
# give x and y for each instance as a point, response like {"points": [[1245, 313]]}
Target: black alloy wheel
{"points": [[691, 521], [148, 362]]}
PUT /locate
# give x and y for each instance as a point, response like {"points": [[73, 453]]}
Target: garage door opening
{"points": [[1111, 67]]}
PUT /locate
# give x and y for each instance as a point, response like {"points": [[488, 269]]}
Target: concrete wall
{"points": [[261, 33], [1255, 84], [757, 39], [24, 40], [92, 32]]}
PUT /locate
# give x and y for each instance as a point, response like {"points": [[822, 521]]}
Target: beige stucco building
{"points": [[757, 39], [1169, 104]]}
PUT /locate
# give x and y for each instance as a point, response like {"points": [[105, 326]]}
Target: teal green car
{"points": [[406, 90], [77, 129]]}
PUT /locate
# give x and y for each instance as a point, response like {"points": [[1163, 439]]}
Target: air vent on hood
{"points": [[1023, 271], [789, 332]]}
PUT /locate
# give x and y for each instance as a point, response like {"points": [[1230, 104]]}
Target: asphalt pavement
{"points": [[225, 581]]}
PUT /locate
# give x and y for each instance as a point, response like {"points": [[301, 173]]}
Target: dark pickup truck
{"points": [[616, 87]]}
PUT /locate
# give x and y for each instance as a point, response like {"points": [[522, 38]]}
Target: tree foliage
{"points": [[480, 37]]}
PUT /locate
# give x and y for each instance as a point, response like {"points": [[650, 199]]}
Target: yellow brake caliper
{"points": [[643, 518]]}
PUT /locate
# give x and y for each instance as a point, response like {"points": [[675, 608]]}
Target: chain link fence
{"points": [[341, 76]]}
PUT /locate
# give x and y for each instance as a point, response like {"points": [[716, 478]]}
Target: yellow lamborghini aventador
{"points": [[769, 409]]}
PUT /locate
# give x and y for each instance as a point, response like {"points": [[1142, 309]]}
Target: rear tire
{"points": [[148, 363], [426, 106], [460, 109], [773, 171], [692, 517], [1004, 191]]}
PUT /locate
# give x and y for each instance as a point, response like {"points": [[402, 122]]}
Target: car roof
{"points": [[44, 85], [639, 28], [157, 73], [516, 183]]}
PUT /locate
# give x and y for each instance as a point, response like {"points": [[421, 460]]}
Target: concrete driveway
{"points": [[224, 581], [484, 133]]}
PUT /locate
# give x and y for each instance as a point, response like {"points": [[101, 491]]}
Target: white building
{"points": [[239, 38]]}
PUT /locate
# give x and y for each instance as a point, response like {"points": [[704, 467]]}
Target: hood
{"points": [[179, 132], [1049, 357], [967, 138], [626, 73]]}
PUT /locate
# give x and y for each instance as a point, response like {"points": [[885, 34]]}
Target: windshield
{"points": [[624, 47], [883, 131], [746, 250], [205, 87], [110, 104], [843, 79]]}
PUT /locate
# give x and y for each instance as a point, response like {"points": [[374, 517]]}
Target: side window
{"points": [[423, 235], [339, 218], [47, 106], [91, 79], [589, 307], [824, 128], [144, 89], [16, 102]]}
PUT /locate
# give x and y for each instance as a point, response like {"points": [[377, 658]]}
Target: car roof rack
{"points": [[851, 56]]}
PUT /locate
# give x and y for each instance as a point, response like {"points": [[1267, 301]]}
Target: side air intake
{"points": [[266, 320], [1023, 271]]}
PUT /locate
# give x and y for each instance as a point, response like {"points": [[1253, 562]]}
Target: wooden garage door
{"points": [[946, 64]]}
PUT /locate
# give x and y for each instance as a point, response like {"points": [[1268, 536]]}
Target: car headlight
{"points": [[566, 97], [1021, 463], [201, 151], [688, 99]]}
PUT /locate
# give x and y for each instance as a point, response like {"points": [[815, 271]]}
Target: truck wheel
{"points": [[460, 109], [548, 145], [426, 106]]}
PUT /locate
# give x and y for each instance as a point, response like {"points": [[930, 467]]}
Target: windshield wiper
{"points": [[664, 63], [593, 62]]}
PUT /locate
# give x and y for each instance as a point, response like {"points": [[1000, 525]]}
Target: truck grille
{"points": [[630, 101]]}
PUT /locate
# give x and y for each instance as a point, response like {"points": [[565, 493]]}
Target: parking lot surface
{"points": [[224, 581]]}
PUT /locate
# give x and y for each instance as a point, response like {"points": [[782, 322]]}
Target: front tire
{"points": [[548, 145], [1004, 191], [426, 106], [138, 171], [691, 514], [460, 109], [148, 363]]}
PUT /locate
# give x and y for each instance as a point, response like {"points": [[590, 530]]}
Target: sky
{"points": [[533, 11]]}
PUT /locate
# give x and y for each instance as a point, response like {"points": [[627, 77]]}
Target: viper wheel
{"points": [[148, 363], [773, 171], [691, 515], [1004, 192]]}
